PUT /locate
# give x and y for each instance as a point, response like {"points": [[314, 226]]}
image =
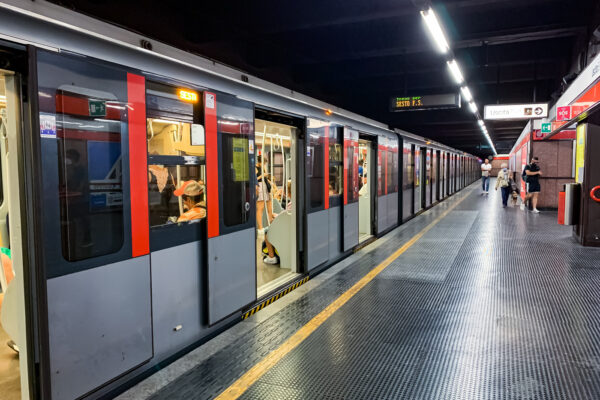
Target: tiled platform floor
{"points": [[491, 303]]}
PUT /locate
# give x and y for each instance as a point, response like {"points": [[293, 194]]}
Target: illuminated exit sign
{"points": [[426, 102]]}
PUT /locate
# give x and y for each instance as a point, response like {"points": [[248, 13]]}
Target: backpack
{"points": [[524, 174]]}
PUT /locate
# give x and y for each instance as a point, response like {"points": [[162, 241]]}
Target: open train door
{"points": [[230, 204], [351, 187]]}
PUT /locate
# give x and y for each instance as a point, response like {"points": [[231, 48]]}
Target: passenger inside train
{"points": [[364, 201]]}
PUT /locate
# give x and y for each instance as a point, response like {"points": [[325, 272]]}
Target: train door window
{"points": [[381, 167], [418, 172], [392, 166], [424, 176], [176, 163], [316, 133], [236, 130], [276, 239], [336, 165], [365, 197]]}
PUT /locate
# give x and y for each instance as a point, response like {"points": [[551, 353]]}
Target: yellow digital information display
{"points": [[426, 102]]}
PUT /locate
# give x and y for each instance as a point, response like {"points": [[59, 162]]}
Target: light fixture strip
{"points": [[466, 93], [455, 71], [437, 34], [435, 29]]}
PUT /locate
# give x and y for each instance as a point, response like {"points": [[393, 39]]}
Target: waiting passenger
{"points": [[532, 174], [486, 167], [503, 182], [192, 193]]}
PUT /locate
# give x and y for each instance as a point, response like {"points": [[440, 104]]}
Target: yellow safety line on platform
{"points": [[255, 373]]}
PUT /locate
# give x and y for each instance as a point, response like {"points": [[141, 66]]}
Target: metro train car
{"points": [[153, 198]]}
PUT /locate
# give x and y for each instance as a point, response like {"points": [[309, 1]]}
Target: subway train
{"points": [[152, 198]]}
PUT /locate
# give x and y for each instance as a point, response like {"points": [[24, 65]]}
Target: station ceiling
{"points": [[357, 54]]}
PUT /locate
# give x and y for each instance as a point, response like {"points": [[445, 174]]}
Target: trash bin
{"points": [[569, 202]]}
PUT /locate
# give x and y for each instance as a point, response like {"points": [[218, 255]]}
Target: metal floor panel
{"points": [[509, 310]]}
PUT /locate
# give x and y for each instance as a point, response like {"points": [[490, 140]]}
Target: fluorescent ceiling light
{"points": [[455, 71], [466, 93], [473, 107], [480, 122], [435, 30]]}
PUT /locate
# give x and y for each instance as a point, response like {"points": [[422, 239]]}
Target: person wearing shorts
{"points": [[486, 167], [533, 173]]}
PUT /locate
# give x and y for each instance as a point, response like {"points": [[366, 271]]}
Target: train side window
{"points": [[176, 162], [315, 162], [336, 164], [89, 124]]}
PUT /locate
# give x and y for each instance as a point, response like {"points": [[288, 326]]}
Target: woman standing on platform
{"points": [[503, 182]]}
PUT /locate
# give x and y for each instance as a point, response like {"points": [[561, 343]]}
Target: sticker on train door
{"points": [[210, 100], [48, 126]]}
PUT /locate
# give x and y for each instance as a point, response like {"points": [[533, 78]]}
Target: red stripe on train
{"points": [[212, 164], [326, 168], [138, 168]]}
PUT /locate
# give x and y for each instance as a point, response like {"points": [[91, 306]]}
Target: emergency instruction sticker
{"points": [[251, 146], [210, 100], [197, 138], [48, 125]]}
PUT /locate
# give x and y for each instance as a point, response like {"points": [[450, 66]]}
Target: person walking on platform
{"points": [[532, 174], [485, 176], [503, 182]]}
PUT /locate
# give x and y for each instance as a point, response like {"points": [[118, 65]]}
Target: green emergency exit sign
{"points": [[97, 108], [547, 128]]}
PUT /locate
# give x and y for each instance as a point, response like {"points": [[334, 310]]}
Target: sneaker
{"points": [[522, 207], [13, 346], [535, 210], [270, 260]]}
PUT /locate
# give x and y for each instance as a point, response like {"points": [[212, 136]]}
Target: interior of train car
{"points": [[365, 194], [276, 163], [13, 348]]}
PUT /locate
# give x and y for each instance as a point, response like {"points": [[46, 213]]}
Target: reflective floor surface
{"points": [[10, 385], [490, 303]]}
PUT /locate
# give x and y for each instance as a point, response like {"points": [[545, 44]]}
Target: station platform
{"points": [[466, 301]]}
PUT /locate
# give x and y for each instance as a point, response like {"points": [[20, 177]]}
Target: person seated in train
{"points": [[263, 195], [192, 193], [271, 256]]}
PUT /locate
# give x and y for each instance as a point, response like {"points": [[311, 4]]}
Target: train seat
{"points": [[277, 209], [279, 236]]}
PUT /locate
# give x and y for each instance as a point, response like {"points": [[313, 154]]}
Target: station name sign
{"points": [[427, 102], [515, 111]]}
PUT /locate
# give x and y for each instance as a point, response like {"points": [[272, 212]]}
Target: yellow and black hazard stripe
{"points": [[271, 299]]}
